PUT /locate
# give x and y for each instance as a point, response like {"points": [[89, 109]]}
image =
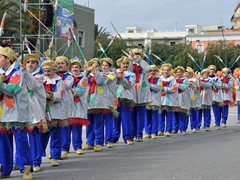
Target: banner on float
{"points": [[65, 17]]}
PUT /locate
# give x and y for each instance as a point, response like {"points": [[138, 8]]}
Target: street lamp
{"points": [[224, 43]]}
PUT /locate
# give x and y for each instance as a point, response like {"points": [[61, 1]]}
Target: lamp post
{"points": [[224, 43]]}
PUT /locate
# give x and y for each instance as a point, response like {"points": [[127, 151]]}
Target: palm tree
{"points": [[100, 32]]}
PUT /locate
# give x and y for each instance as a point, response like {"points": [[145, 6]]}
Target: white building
{"points": [[135, 36]]}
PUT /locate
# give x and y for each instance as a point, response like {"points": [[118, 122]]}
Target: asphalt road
{"points": [[213, 155]]}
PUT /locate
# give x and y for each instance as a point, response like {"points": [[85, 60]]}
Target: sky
{"points": [[162, 15]]}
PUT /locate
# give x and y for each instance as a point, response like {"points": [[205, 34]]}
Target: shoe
{"points": [[153, 136], [79, 152], [238, 121], [54, 162], [36, 168], [160, 133], [139, 139], [129, 142], [2, 176], [109, 145], [27, 175], [174, 132], [64, 154], [15, 167], [202, 127], [147, 136], [184, 132], [197, 128], [194, 131], [98, 148], [167, 134], [87, 147], [224, 125], [207, 129], [214, 125]]}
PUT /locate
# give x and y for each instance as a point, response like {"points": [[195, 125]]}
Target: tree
{"points": [[100, 31]]}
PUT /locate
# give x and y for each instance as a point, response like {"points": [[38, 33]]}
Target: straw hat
{"points": [[63, 58], [32, 57], [168, 65], [226, 70], [212, 67], [122, 59], [153, 68], [138, 51], [49, 64], [47, 54], [190, 70], [92, 61], [108, 60], [8, 52], [179, 68], [205, 71]]}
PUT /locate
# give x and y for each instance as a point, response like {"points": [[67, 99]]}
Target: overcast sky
{"points": [[161, 15]]}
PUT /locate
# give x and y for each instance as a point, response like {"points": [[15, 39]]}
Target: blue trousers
{"points": [[55, 142], [175, 121], [6, 150], [182, 120], [66, 138], [165, 116], [199, 118], [193, 119], [76, 131], [94, 131], [225, 109], [238, 111], [108, 127], [151, 122], [77, 137], [36, 147], [139, 119], [217, 111], [125, 116], [206, 117]]}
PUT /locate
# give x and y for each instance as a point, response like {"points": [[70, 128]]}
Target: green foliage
{"points": [[177, 54]]}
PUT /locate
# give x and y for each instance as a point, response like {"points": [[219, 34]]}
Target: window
{"points": [[191, 30], [199, 48], [172, 43], [130, 31], [81, 38]]}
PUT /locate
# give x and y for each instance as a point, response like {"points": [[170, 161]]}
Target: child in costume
{"points": [[169, 100], [63, 64], [206, 99], [110, 92], [227, 95], [142, 91], [79, 112], [97, 107], [55, 90], [125, 94], [236, 73], [217, 98], [37, 99], [153, 108], [195, 100], [15, 117], [181, 121]]}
